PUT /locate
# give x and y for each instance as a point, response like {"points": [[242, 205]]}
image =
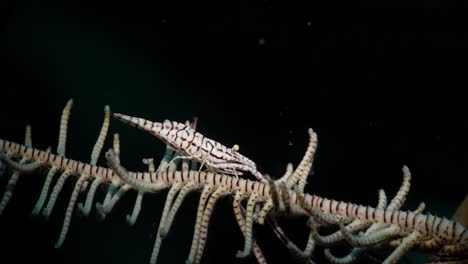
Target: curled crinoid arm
{"points": [[68, 213], [299, 176], [309, 248], [264, 211], [383, 233], [123, 174], [407, 243], [104, 210], [420, 208], [277, 202], [22, 167], [167, 157], [248, 227], [382, 203], [10, 187], [240, 218], [116, 182], [219, 192], [167, 206], [400, 197], [150, 163], [86, 208], [55, 192], [61, 153], [84, 177], [45, 189], [131, 219], [338, 235], [315, 212], [63, 128], [116, 146], [351, 228], [284, 197], [379, 232], [102, 136], [18, 168], [370, 239], [289, 171], [112, 189], [186, 189], [207, 190]]}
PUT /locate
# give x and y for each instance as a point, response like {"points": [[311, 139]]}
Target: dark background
{"points": [[381, 83]]}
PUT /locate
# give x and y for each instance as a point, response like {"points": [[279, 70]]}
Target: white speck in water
{"points": [[261, 41]]}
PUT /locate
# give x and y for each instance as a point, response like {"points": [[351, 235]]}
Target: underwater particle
{"points": [[309, 23], [290, 144], [261, 41]]}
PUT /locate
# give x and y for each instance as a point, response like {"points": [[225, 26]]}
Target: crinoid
{"points": [[214, 173]]}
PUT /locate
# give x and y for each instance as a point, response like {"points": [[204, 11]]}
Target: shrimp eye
{"points": [[235, 148]]}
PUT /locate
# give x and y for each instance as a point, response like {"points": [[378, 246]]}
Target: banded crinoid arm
{"points": [[59, 163], [193, 145], [423, 227], [454, 235], [84, 177], [113, 188], [375, 231], [215, 186], [17, 166], [131, 219], [179, 147], [414, 228], [61, 152], [337, 236], [86, 208], [8, 157], [299, 176], [116, 190], [240, 218]]}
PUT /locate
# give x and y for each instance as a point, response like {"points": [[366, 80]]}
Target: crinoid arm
{"points": [[364, 228]]}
